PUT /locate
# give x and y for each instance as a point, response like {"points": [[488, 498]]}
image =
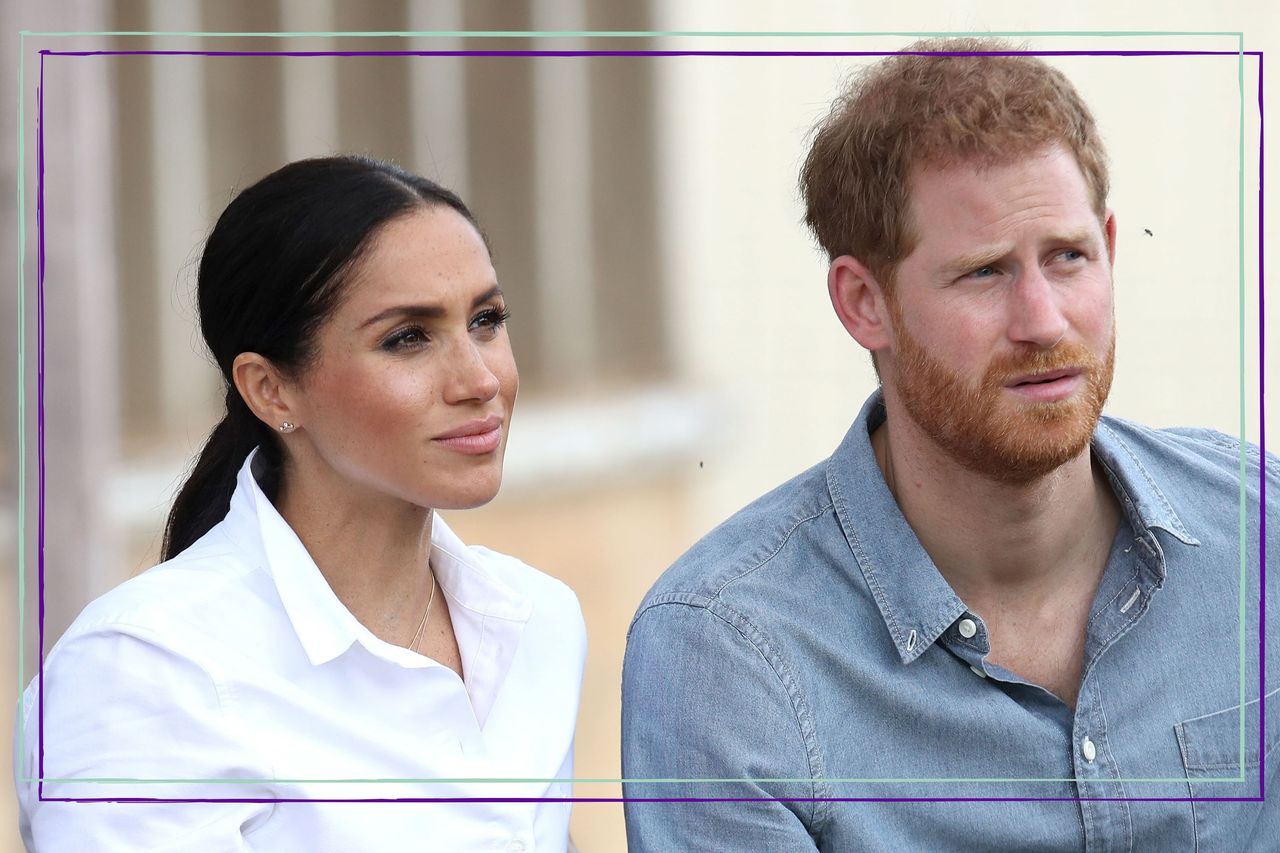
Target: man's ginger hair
{"points": [[912, 110]]}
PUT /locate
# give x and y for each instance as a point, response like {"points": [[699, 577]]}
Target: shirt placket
{"points": [[1104, 812], [1105, 815]]}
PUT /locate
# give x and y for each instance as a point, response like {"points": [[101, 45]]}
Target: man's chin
{"points": [[1022, 466], [1029, 444]]}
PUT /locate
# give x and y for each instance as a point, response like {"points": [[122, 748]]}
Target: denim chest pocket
{"points": [[1211, 755]]}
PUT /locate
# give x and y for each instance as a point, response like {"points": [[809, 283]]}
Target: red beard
{"points": [[985, 430]]}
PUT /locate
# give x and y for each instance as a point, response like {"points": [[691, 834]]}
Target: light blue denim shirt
{"points": [[809, 646]]}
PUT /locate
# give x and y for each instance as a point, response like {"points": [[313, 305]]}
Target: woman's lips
{"points": [[475, 438]]}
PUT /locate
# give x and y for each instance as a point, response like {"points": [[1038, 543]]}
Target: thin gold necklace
{"points": [[417, 635]]}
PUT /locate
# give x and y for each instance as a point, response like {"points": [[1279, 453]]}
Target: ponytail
{"points": [[206, 495]]}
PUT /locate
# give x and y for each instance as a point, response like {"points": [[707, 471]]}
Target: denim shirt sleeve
{"points": [[701, 701]]}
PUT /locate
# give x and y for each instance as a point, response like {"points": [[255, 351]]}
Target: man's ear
{"points": [[859, 301], [1109, 231], [263, 389]]}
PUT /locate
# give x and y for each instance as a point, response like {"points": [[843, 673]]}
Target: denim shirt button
{"points": [[1088, 750], [967, 628], [978, 672]]}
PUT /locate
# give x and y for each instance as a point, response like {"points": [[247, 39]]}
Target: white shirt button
{"points": [[967, 628], [515, 846], [1088, 750]]}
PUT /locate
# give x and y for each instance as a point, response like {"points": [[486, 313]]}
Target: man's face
{"points": [[1002, 323]]}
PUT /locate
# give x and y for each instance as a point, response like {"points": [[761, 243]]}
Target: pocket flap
{"points": [[1212, 742]]}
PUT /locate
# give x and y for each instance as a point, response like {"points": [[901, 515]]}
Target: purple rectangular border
{"points": [[40, 272]]}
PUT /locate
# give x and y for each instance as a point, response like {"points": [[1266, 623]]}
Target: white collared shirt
{"points": [[235, 672]]}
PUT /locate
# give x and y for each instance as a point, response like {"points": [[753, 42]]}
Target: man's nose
{"points": [[1035, 311]]}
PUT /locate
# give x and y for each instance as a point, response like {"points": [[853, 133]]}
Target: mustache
{"points": [[1032, 359]]}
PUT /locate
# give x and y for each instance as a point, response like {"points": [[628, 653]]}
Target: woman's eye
{"points": [[405, 339], [488, 322]]}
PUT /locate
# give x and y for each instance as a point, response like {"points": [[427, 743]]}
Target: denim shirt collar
{"points": [[914, 599]]}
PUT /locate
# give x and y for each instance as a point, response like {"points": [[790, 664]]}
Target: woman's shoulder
{"points": [[198, 588], [554, 629], [542, 588], [546, 593]]}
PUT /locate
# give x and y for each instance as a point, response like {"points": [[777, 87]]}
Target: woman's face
{"points": [[411, 392]]}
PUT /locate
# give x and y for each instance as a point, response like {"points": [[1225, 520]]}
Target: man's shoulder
{"points": [[1192, 475], [1197, 453], [752, 538]]}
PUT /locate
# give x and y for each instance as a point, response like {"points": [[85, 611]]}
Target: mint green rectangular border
{"points": [[22, 456]]}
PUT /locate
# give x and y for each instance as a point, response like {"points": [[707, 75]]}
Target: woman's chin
{"points": [[471, 496]]}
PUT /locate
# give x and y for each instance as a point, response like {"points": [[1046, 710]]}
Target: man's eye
{"points": [[1070, 255], [983, 272]]}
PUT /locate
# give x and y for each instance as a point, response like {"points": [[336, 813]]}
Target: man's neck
{"points": [[999, 541], [1025, 557]]}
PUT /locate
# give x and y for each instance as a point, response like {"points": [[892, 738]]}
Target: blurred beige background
{"points": [[678, 353]]}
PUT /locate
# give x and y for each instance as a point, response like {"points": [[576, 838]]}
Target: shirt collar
{"points": [[323, 624], [914, 599], [1145, 505]]}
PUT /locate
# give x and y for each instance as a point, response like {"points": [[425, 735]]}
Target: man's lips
{"points": [[474, 437], [1043, 377], [1046, 387]]}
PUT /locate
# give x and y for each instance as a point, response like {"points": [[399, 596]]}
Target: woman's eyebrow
{"points": [[427, 311]]}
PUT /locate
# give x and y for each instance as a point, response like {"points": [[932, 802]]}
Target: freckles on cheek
{"points": [[394, 402]]}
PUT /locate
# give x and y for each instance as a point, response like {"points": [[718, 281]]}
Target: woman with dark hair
{"points": [[316, 632]]}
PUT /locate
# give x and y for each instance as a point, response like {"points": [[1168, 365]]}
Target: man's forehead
{"points": [[1045, 178], [983, 163], [965, 214]]}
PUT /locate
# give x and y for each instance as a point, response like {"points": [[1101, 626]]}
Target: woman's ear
{"points": [[859, 302], [264, 390]]}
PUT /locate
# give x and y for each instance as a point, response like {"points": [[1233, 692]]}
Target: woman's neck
{"points": [[373, 550]]}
